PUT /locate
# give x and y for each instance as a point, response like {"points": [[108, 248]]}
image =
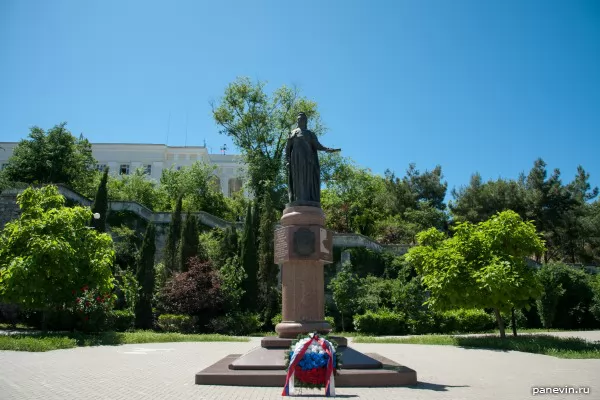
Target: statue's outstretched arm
{"points": [[320, 147]]}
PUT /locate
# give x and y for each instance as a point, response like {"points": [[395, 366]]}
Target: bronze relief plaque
{"points": [[304, 242]]}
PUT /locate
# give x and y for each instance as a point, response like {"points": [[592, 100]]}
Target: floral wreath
{"points": [[311, 362]]}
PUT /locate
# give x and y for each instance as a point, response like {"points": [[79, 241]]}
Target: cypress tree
{"points": [[249, 261], [267, 269], [100, 204], [190, 242], [228, 246], [173, 236], [146, 278]]}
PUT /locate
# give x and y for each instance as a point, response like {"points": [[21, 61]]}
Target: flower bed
{"points": [[311, 362]]}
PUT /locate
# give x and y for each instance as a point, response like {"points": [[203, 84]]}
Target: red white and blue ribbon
{"points": [[297, 356]]}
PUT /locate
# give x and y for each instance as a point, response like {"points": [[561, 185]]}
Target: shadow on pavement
{"points": [[435, 387]]}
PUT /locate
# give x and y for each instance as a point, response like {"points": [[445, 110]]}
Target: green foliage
{"points": [[177, 323], [129, 289], [382, 322], [236, 323], [122, 320], [140, 188], [267, 269], [538, 344], [345, 288], [173, 238], [567, 297], [232, 277], [146, 278], [228, 246], [126, 243], [249, 260], [50, 251], [551, 294], [195, 184], [100, 204], [465, 321], [595, 306], [480, 201], [55, 341], [92, 309], [55, 156], [210, 241], [481, 266], [258, 124], [354, 200], [190, 243]]}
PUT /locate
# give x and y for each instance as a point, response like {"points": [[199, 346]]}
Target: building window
{"points": [[235, 185], [124, 169], [4, 166], [148, 169], [100, 167], [179, 168]]}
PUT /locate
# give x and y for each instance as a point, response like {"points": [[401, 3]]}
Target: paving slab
{"points": [[167, 371]]}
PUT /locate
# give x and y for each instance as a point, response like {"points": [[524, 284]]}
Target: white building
{"points": [[125, 158]]}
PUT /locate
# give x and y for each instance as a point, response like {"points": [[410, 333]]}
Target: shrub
{"points": [[122, 320], [382, 322], [462, 320], [194, 292], [9, 313], [276, 319], [177, 323], [570, 307], [520, 319], [424, 323], [92, 309], [237, 323]]}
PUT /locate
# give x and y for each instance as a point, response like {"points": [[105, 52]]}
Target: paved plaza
{"points": [[166, 371]]}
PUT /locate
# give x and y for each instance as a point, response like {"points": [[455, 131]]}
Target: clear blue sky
{"points": [[484, 86]]}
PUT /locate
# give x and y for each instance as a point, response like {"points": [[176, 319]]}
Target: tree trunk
{"points": [[513, 321], [500, 323], [45, 320], [343, 329]]}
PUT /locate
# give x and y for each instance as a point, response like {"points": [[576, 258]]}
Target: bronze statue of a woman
{"points": [[304, 171]]}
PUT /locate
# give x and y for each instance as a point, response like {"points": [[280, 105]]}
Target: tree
{"points": [[100, 204], [481, 266], [259, 125], [196, 184], [248, 256], [267, 269], [354, 200], [345, 287], [190, 242], [146, 276], [55, 156], [228, 246], [140, 188], [479, 201], [173, 237], [551, 293], [50, 251]]}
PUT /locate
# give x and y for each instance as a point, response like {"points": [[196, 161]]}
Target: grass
{"points": [[560, 347], [66, 340]]}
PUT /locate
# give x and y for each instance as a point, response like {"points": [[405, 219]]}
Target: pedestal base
{"points": [[265, 366], [291, 329]]}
